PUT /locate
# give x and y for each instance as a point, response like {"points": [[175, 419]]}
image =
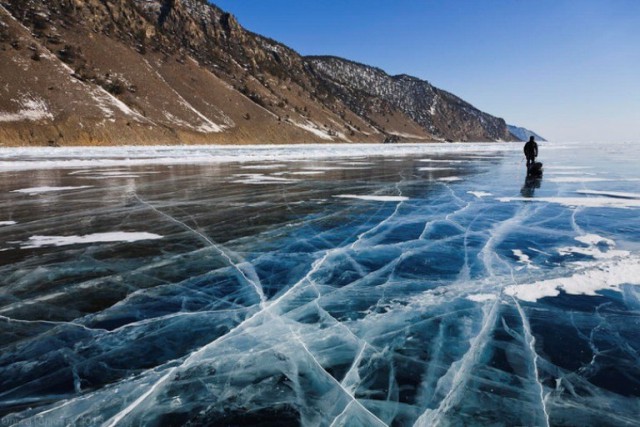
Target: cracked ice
{"points": [[383, 289]]}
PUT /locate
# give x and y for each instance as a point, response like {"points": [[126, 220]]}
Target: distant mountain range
{"points": [[523, 134], [104, 72]]}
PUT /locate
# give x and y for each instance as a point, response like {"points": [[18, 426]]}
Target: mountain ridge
{"points": [[110, 72], [523, 134]]}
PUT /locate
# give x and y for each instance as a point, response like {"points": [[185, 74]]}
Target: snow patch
{"points": [[38, 190], [373, 198], [407, 135], [124, 108], [177, 121], [594, 239], [481, 297], [271, 166], [310, 172], [310, 127], [123, 176], [32, 109], [595, 245], [262, 179], [603, 276], [479, 194], [330, 168], [443, 161], [2, 223], [434, 104], [523, 259], [118, 236]]}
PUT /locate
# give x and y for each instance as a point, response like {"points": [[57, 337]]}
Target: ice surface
{"points": [[610, 194], [12, 159], [368, 293], [575, 179], [434, 168], [594, 202]]}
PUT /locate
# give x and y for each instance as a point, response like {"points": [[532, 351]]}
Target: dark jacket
{"points": [[531, 149]]}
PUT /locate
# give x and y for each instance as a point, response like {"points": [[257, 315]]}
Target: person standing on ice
{"points": [[531, 151]]}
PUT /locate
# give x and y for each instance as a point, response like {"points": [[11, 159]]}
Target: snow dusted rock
{"points": [[371, 91]]}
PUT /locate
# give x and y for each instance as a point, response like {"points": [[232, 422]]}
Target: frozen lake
{"points": [[320, 286]]}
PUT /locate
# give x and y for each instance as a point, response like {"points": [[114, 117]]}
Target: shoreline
{"points": [[30, 158]]}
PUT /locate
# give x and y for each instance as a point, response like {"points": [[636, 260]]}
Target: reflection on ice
{"points": [[368, 294]]}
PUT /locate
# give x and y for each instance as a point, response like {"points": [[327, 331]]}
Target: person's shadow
{"points": [[531, 182]]}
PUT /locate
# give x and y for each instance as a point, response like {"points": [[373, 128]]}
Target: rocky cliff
{"points": [[184, 71]]}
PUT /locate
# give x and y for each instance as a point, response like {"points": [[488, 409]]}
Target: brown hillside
{"points": [[104, 72]]}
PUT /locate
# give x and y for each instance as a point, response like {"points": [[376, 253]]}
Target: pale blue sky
{"points": [[567, 69]]}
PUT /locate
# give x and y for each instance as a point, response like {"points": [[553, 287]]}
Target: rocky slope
{"points": [[372, 93], [523, 134], [184, 71]]}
